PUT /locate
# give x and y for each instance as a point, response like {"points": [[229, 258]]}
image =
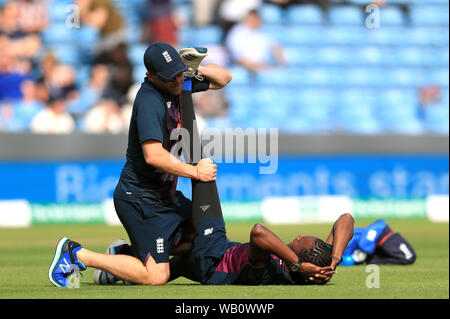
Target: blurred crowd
{"points": [[40, 92]]}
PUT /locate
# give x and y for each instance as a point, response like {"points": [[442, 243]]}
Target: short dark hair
{"points": [[319, 254]]}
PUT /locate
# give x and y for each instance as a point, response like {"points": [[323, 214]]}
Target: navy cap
{"points": [[163, 60]]}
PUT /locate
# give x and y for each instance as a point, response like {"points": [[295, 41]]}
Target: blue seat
{"points": [[67, 54], [439, 76], [57, 11], [22, 116], [392, 98], [411, 126], [307, 14], [85, 101], [425, 36], [330, 55], [391, 16], [357, 118], [58, 34], [136, 53], [429, 15], [277, 76], [273, 103], [300, 35], [134, 34], [436, 119], [219, 123], [300, 55], [369, 55], [341, 35], [314, 97], [201, 36], [355, 111], [440, 57], [239, 110], [277, 32], [301, 125], [403, 77], [315, 106], [400, 118], [354, 97], [360, 76], [87, 38], [381, 36], [241, 102], [271, 13], [241, 76], [139, 73], [346, 15], [412, 56], [318, 76]]}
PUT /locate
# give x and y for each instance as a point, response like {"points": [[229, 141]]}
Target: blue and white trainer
{"points": [[65, 262], [101, 277]]}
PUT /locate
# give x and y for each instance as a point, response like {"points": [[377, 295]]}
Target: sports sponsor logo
{"points": [[204, 208], [208, 231], [160, 245], [167, 56], [65, 266]]}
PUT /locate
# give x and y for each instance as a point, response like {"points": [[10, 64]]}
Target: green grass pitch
{"points": [[26, 253]]}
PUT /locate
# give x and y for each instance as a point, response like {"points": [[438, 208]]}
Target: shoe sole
{"points": [[56, 260]]}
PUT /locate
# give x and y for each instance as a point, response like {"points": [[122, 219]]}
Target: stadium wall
{"points": [[70, 178]]}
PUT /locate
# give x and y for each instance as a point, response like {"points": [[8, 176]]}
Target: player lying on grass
{"points": [[265, 260]]}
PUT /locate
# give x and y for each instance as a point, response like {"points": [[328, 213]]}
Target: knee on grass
{"points": [[155, 278]]}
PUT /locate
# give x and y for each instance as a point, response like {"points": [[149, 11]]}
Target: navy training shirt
{"points": [[155, 114]]}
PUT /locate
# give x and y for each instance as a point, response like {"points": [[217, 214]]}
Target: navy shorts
{"points": [[210, 244], [152, 228]]}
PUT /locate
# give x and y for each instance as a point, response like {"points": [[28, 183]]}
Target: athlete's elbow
{"points": [[224, 79], [228, 77], [150, 159], [257, 232], [348, 217]]}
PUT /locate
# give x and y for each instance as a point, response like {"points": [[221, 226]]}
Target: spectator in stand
{"points": [[160, 22], [104, 117], [21, 38], [323, 4], [90, 92], [32, 15], [54, 119], [252, 49], [204, 11], [61, 82], [232, 12], [10, 78], [102, 15], [429, 96], [210, 104], [120, 73], [22, 112]]}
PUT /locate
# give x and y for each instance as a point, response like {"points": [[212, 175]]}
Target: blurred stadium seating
{"points": [[340, 74]]}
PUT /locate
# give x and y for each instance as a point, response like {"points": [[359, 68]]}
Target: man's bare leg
{"points": [[127, 267]]}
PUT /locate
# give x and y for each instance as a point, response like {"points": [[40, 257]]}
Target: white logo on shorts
{"points": [[167, 56], [160, 245], [205, 207], [208, 231]]}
